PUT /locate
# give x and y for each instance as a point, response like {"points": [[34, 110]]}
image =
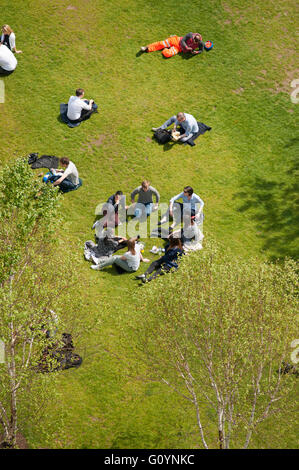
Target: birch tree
{"points": [[218, 333], [29, 285]]}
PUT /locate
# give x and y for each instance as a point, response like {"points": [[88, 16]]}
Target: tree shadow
{"points": [[275, 209]]}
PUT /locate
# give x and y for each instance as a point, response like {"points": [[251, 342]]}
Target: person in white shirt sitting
{"points": [[68, 180], [129, 261], [8, 62], [78, 109], [8, 38]]}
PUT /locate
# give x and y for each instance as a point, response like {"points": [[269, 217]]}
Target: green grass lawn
{"points": [[245, 170]]}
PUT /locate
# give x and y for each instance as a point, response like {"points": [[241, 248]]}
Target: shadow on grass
{"points": [[167, 146], [275, 209], [181, 54]]}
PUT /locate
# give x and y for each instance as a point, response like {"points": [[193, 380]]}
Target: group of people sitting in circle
{"points": [[102, 253], [179, 242]]}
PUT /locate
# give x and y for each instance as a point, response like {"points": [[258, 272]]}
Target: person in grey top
{"points": [[186, 121], [145, 197]]}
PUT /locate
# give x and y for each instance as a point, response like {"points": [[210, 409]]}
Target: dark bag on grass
{"points": [[62, 353], [162, 136]]}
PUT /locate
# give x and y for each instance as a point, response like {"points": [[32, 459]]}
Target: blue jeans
{"points": [[146, 209], [66, 184], [168, 123]]}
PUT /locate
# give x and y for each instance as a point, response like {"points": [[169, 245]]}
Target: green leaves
{"points": [[219, 329], [28, 210]]}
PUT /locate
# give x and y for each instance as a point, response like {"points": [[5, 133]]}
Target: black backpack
{"points": [[162, 136]]}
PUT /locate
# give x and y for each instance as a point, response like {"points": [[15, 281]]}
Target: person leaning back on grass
{"points": [[145, 196], [129, 262], [175, 44], [166, 263]]}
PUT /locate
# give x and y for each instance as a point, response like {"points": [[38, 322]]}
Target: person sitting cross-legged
{"points": [[167, 262], [145, 197], [69, 180], [129, 261], [78, 109], [189, 206], [186, 121]]}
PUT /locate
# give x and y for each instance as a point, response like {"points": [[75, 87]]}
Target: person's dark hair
{"points": [[188, 190], [118, 193], [64, 161], [79, 91], [174, 242]]}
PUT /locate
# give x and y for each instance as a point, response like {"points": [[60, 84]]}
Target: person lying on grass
{"points": [[107, 244], [166, 263], [69, 179], [78, 109], [8, 38], [175, 44], [185, 121], [129, 262]]}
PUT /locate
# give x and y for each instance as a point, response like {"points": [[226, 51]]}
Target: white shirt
{"points": [[133, 260], [12, 40], [75, 106], [7, 60], [72, 173], [192, 202]]}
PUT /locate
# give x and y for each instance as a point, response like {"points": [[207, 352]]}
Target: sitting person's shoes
{"points": [[154, 129], [96, 267], [143, 49], [141, 276], [162, 221]]}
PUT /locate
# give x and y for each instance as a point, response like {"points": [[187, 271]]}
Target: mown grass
{"points": [[244, 169]]}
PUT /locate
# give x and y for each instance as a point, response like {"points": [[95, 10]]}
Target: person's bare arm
{"points": [[56, 183], [145, 260]]}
